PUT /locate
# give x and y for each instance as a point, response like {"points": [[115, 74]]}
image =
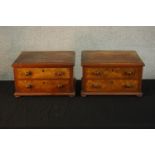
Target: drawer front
{"points": [[43, 73], [111, 72], [111, 85], [38, 86]]}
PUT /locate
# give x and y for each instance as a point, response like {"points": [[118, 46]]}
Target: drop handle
{"points": [[128, 86], [59, 73], [97, 73], [60, 86], [28, 73], [96, 86], [29, 86], [129, 73]]}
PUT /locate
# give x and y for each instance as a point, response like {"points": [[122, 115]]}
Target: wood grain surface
{"points": [[111, 73], [44, 73]]}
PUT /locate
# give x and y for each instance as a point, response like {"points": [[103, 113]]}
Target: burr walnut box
{"points": [[44, 73], [111, 73]]}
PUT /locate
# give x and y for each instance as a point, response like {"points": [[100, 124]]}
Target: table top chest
{"points": [[44, 73], [111, 73]]}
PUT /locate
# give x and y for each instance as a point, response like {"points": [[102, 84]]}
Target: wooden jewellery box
{"points": [[111, 73], [44, 73]]}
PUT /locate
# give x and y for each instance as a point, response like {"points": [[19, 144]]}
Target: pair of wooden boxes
{"points": [[104, 73]]}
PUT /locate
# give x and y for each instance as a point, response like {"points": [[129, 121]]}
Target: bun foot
{"points": [[83, 95], [71, 95], [16, 96]]}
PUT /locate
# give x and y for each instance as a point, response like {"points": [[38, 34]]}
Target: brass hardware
{"points": [[97, 73], [129, 73], [95, 86], [60, 86], [28, 73], [128, 86], [29, 86], [59, 73]]}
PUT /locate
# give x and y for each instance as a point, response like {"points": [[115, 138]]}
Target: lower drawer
{"points": [[46, 86], [111, 85]]}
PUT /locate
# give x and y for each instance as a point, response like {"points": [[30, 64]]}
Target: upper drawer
{"points": [[43, 73], [112, 72]]}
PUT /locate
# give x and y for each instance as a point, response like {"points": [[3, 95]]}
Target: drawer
{"points": [[111, 72], [39, 86], [111, 85], [43, 73]]}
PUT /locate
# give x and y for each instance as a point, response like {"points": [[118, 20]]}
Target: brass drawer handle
{"points": [[95, 86], [59, 73], [28, 73], [60, 86], [128, 86], [29, 86], [129, 73], [97, 73]]}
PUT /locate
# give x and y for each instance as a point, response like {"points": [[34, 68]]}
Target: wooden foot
{"points": [[72, 95], [83, 95], [16, 96]]}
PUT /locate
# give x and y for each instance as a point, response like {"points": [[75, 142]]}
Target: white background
{"points": [[75, 13]]}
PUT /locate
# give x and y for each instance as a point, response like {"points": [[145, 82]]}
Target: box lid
{"points": [[105, 57], [45, 59]]}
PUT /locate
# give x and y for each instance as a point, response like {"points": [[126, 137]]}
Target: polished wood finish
{"points": [[45, 58], [110, 58], [33, 86], [111, 73], [44, 73], [111, 85]]}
